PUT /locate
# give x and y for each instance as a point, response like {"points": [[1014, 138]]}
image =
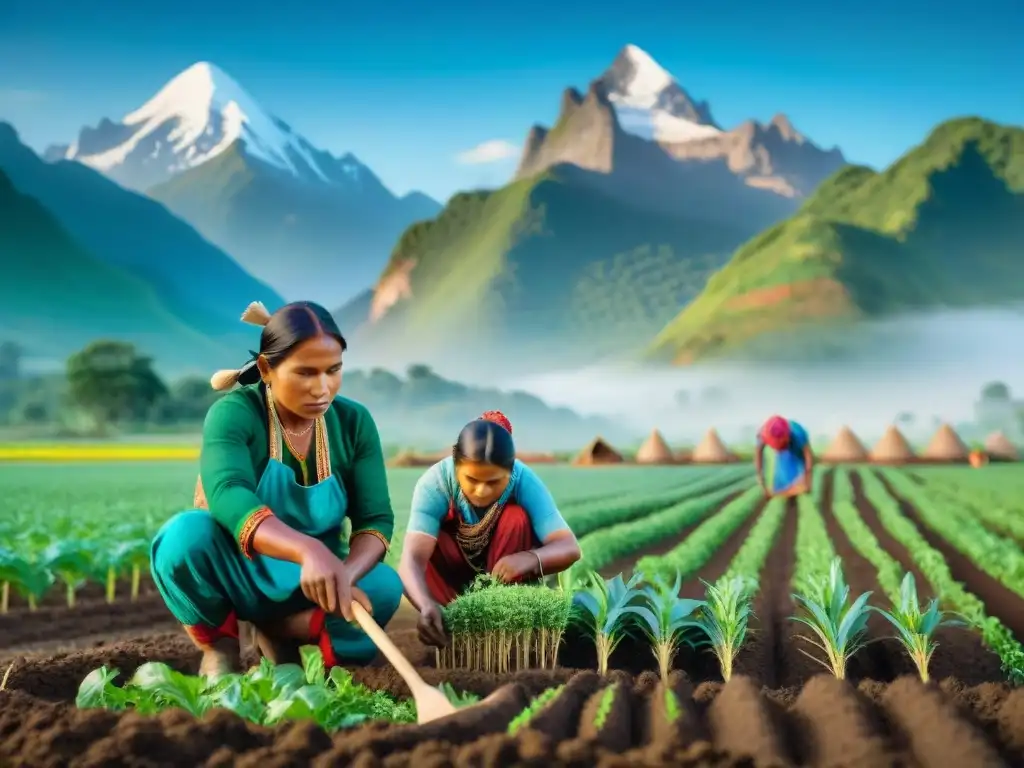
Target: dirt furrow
{"points": [[53, 627], [835, 726], [624, 565], [937, 735], [960, 652], [882, 659], [607, 717], [999, 600], [719, 562], [772, 654], [747, 724], [829, 723]]}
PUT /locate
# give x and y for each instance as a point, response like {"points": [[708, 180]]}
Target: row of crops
{"points": [[499, 628], [619, 513], [68, 528]]}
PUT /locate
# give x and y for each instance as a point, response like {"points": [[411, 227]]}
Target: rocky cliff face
{"points": [[773, 156], [584, 136], [635, 99]]}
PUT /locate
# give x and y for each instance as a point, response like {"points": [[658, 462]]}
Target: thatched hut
{"points": [[711, 450], [597, 452], [946, 445], [999, 448], [892, 448], [846, 448], [655, 450]]}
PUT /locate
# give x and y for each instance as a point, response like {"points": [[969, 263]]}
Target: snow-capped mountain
{"points": [[649, 103], [637, 122], [195, 117], [312, 225]]}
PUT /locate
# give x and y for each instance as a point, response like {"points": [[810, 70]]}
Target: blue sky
{"points": [[408, 86]]}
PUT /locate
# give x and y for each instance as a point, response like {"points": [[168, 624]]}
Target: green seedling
{"points": [[840, 627]]}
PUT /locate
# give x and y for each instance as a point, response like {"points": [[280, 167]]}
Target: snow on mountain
{"points": [[193, 118], [649, 103]]}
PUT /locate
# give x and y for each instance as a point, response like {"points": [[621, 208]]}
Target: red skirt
{"points": [[449, 572]]}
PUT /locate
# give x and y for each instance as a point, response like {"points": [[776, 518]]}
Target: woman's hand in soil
{"points": [[431, 627], [514, 567], [327, 582]]}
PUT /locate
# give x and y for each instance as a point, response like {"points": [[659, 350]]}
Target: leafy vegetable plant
{"points": [[724, 617], [605, 605], [840, 627], [666, 618], [267, 694], [916, 628]]}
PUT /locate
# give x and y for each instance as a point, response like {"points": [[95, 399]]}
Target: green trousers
{"points": [[204, 578]]}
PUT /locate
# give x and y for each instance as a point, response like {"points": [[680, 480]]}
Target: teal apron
{"points": [[203, 576]]}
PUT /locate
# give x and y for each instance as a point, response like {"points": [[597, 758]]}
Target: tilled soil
{"points": [[826, 723], [778, 710], [625, 564]]}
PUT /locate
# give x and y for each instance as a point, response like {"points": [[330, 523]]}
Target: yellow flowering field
{"points": [[73, 452]]}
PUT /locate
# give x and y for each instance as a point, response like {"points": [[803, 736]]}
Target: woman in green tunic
{"points": [[284, 460]]}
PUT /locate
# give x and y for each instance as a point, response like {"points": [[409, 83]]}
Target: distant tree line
{"points": [[106, 384], [112, 385]]}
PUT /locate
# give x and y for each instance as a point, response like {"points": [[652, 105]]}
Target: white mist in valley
{"points": [[929, 366]]}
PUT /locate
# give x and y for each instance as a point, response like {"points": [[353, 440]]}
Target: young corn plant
{"points": [[604, 604], [667, 620], [724, 617], [840, 627], [915, 629]]}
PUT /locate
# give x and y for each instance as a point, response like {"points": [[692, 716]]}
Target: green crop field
{"points": [[686, 569], [66, 526], [107, 512]]}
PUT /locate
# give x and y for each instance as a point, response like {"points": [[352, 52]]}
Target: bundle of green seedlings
{"points": [[267, 694], [498, 627]]}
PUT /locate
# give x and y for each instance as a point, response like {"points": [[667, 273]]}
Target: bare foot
{"points": [[279, 641], [278, 650], [222, 658]]}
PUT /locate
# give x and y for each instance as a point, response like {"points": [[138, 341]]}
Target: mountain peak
{"points": [[197, 115], [784, 125], [647, 78], [649, 103], [192, 93]]}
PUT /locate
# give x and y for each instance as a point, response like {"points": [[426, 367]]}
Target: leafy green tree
{"points": [[995, 391], [10, 360], [113, 382]]}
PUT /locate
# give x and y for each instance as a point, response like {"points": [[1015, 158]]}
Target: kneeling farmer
{"points": [[283, 462], [481, 510], [794, 460]]}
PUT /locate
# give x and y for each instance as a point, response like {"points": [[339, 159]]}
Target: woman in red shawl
{"points": [[480, 510], [794, 460]]}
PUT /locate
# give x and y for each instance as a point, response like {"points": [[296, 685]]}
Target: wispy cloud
{"points": [[21, 96], [492, 151]]}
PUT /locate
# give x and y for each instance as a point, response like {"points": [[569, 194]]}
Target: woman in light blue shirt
{"points": [[480, 510]]}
